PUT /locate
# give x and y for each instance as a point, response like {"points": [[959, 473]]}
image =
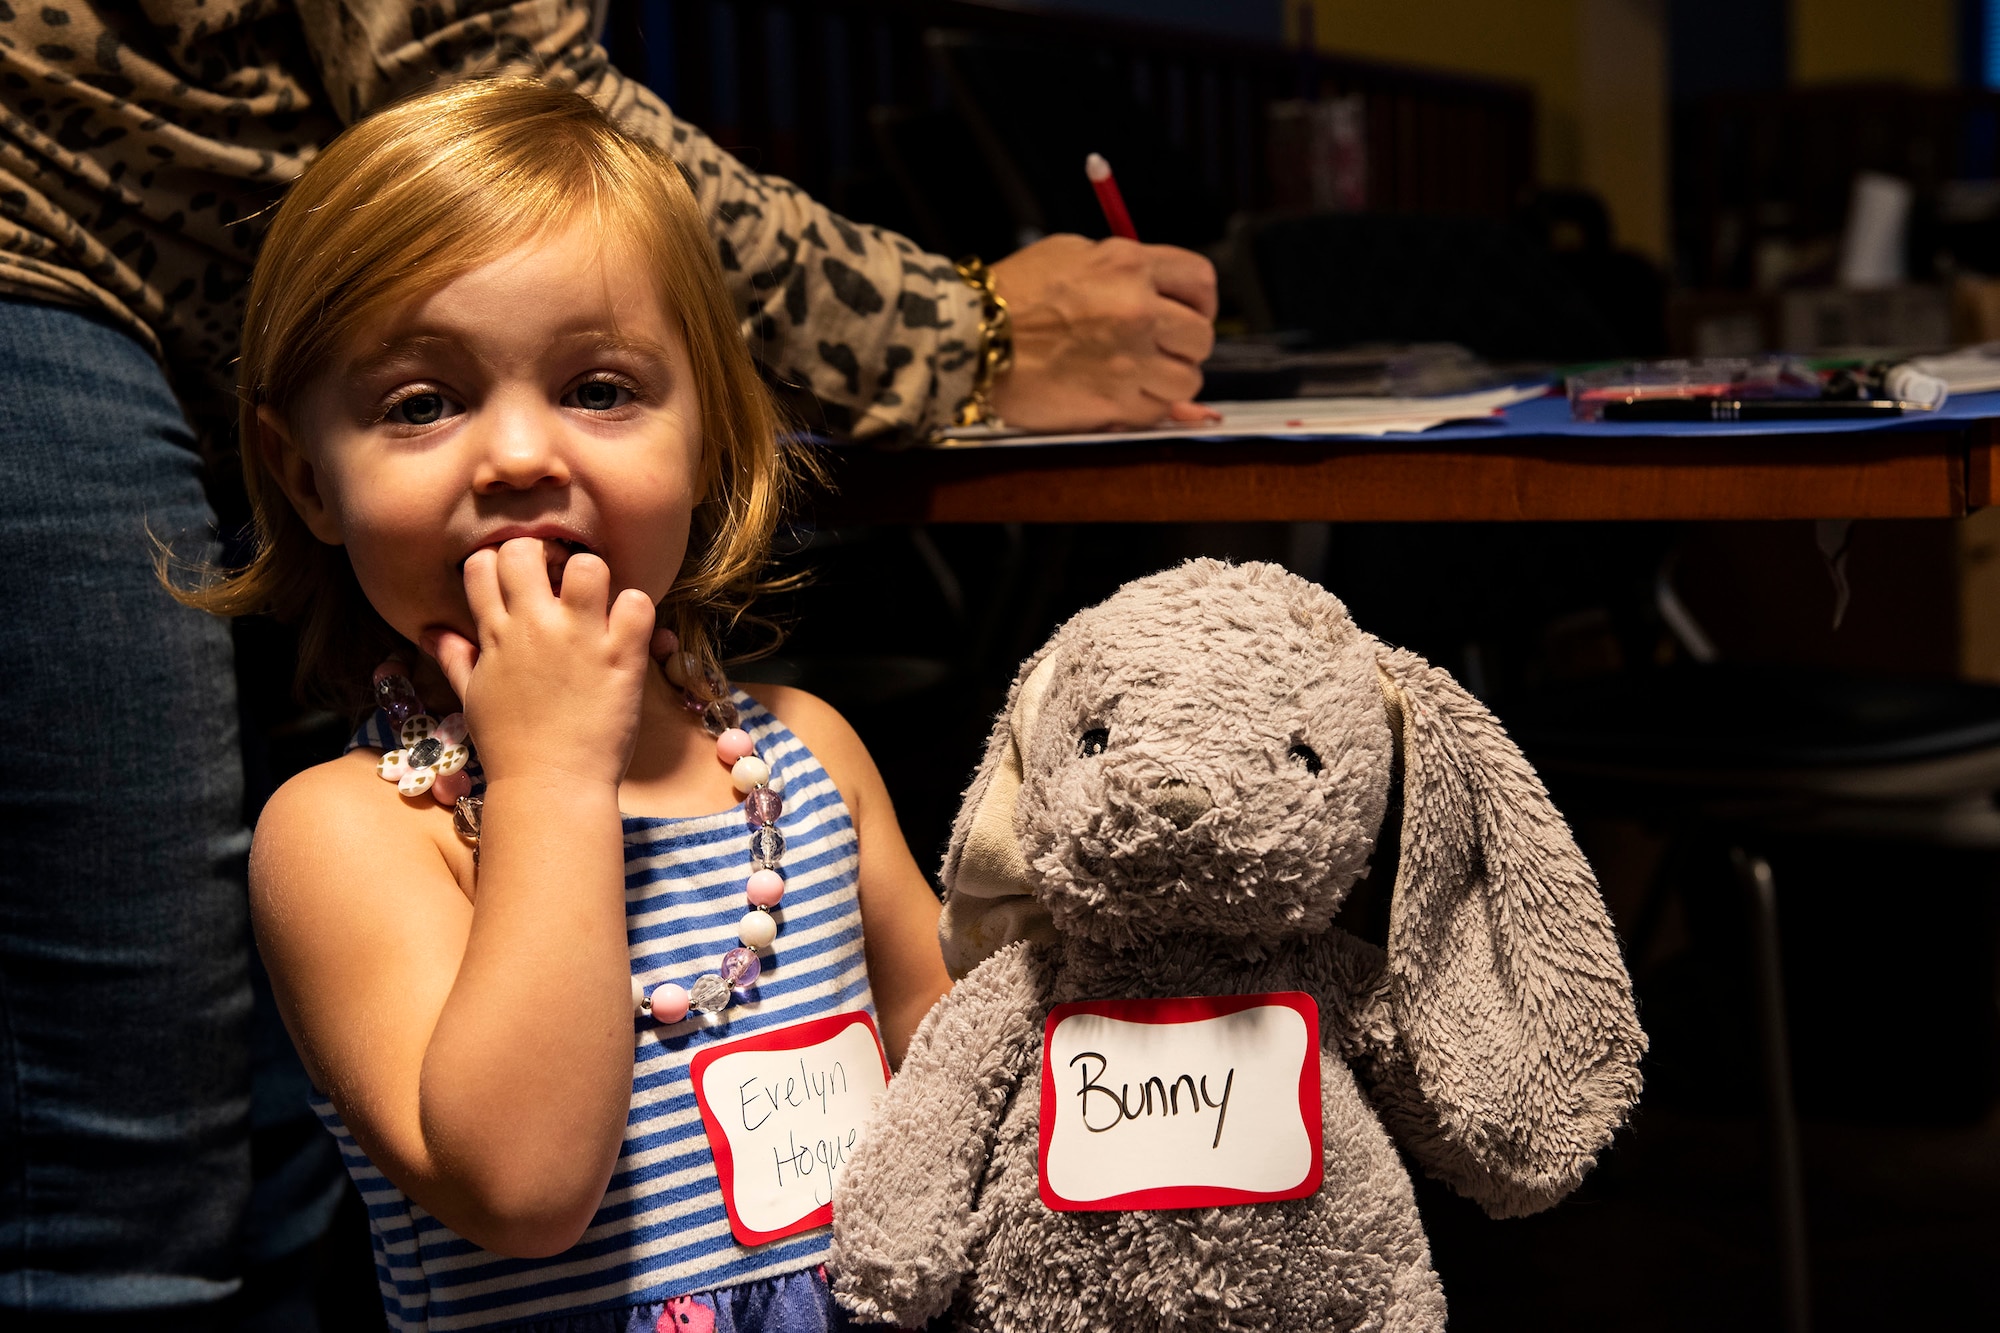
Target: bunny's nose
{"points": [[1179, 802]]}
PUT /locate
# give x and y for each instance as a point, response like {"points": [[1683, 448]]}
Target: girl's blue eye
{"points": [[419, 409], [600, 395]]}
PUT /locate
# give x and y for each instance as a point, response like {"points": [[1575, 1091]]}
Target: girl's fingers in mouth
{"points": [[631, 619], [584, 581], [482, 586], [555, 556], [524, 568]]}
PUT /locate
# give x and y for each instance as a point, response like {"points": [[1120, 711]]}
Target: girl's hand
{"points": [[555, 680]]}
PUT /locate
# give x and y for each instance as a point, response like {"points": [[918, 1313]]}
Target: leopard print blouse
{"points": [[144, 143]]}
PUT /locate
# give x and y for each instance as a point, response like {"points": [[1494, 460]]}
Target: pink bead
{"points": [[665, 643], [670, 1003], [450, 787], [765, 888], [734, 744]]}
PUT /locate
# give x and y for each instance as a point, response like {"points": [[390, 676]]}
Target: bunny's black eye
{"points": [[1094, 742], [1305, 754]]}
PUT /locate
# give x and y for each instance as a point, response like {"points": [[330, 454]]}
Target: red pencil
{"points": [[1108, 198]]}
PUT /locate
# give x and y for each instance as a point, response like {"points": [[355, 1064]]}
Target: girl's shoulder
{"points": [[822, 730], [354, 892], [342, 814], [812, 719]]}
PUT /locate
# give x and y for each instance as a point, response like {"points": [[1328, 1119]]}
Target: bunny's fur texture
{"points": [[1184, 786]]}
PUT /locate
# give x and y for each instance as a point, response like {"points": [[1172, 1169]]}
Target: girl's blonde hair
{"points": [[401, 204]]}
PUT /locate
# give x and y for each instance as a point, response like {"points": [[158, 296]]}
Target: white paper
{"points": [[793, 1118], [1974, 369], [1282, 418], [1213, 1102]]}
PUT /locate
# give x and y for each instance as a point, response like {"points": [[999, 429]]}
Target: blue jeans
{"points": [[125, 979]]}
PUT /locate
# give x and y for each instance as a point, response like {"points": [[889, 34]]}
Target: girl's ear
{"points": [[284, 460], [1506, 981], [988, 904]]}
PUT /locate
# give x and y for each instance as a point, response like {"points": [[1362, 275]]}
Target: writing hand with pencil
{"points": [[1106, 333]]}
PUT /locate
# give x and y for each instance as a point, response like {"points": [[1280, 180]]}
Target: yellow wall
{"points": [[1598, 69], [1621, 110], [1877, 41]]}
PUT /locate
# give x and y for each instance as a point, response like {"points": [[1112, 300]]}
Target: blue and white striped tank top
{"points": [[662, 1230]]}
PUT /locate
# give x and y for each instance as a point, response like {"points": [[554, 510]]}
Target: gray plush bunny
{"points": [[1185, 784]]}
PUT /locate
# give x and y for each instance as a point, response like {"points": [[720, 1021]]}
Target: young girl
{"points": [[496, 406]]}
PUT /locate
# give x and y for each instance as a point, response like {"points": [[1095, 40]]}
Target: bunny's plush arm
{"points": [[1349, 978], [904, 1225]]}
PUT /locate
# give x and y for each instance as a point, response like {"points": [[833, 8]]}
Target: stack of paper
{"points": [[1280, 419]]}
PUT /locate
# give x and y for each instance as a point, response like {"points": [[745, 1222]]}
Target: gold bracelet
{"points": [[996, 346]]}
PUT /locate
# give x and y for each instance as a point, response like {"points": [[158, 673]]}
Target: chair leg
{"points": [[1787, 1178]]}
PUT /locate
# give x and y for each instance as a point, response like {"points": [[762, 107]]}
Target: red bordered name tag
{"points": [[784, 1110], [1180, 1103]]}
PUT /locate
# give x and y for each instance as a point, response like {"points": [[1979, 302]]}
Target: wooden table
{"points": [[1943, 469]]}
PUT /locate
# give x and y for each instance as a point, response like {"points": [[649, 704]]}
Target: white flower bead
{"points": [[749, 773], [417, 781], [757, 929]]}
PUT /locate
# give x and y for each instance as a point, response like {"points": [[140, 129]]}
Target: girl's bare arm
{"points": [[481, 1052], [899, 913]]}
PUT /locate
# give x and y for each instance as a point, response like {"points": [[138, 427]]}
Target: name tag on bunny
{"points": [[1180, 1103], [784, 1111]]}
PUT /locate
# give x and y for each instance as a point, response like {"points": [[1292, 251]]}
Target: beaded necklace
{"points": [[433, 759]]}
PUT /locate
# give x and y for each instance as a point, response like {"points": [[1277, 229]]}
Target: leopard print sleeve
{"points": [[144, 142], [882, 334]]}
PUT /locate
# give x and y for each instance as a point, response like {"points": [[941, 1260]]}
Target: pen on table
{"points": [[1748, 409], [1108, 198]]}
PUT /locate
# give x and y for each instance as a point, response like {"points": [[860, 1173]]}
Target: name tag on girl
{"points": [[1180, 1103], [784, 1111]]}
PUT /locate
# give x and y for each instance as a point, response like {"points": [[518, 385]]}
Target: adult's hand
{"points": [[1106, 333]]}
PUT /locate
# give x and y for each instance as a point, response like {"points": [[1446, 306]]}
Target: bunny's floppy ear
{"points": [[988, 904], [1506, 983]]}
